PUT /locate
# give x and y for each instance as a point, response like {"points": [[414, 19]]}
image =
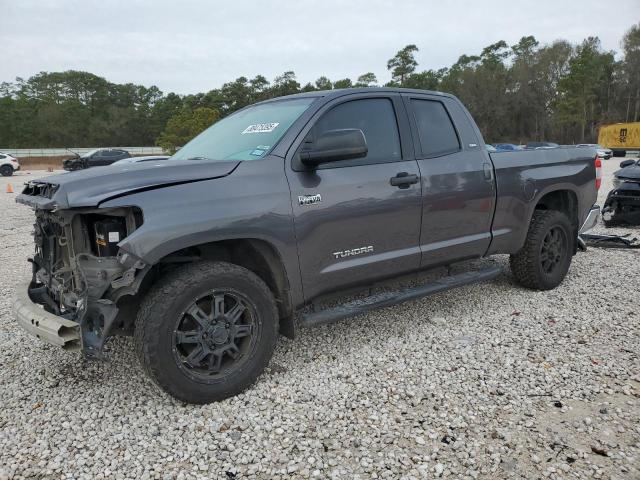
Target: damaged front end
{"points": [[79, 274], [622, 206]]}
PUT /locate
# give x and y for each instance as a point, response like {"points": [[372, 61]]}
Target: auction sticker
{"points": [[260, 128]]}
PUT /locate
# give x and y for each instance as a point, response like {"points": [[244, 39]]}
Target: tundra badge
{"points": [[353, 251], [309, 199]]}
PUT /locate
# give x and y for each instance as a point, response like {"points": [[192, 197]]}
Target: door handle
{"points": [[403, 180], [488, 171]]}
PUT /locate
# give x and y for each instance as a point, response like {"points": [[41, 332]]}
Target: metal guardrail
{"points": [[53, 152]]}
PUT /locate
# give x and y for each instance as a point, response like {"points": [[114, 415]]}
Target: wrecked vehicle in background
{"points": [[622, 206], [98, 157]]}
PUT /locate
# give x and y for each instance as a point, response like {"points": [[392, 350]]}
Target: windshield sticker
{"points": [[260, 128], [260, 150]]}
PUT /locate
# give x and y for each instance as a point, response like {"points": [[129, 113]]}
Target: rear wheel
{"points": [[206, 331], [543, 261], [6, 170]]}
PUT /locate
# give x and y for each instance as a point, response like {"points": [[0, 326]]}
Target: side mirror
{"points": [[626, 163], [336, 145]]}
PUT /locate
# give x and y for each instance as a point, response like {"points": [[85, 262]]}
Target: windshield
{"points": [[246, 135]]}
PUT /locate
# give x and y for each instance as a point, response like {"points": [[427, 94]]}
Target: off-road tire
{"points": [[526, 264], [167, 300], [6, 170]]}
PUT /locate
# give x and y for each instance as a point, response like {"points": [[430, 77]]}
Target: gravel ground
{"points": [[489, 381]]}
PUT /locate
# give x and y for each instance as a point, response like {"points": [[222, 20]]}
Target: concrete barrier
{"points": [[42, 163], [53, 161]]}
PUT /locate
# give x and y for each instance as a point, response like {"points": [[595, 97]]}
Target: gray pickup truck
{"points": [[204, 258]]}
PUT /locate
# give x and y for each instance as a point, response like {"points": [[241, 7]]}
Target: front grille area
{"points": [[627, 193], [40, 189], [52, 258]]}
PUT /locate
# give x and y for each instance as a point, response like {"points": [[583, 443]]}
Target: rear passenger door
{"points": [[458, 191], [353, 223]]}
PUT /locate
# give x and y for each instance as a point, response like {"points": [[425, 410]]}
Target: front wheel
{"points": [[6, 170], [543, 261], [206, 331]]}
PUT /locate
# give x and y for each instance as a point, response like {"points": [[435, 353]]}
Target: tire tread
{"points": [[153, 307], [523, 264]]}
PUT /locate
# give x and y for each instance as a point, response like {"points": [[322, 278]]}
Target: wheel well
{"points": [[564, 201], [255, 255]]}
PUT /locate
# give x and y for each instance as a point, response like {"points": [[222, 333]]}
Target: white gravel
{"points": [[489, 381]]}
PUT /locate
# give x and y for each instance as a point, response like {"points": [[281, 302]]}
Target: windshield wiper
{"points": [[197, 158]]}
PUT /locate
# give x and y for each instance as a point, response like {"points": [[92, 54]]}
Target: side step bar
{"points": [[386, 299]]}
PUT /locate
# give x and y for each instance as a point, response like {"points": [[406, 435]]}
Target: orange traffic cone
{"points": [[9, 188]]}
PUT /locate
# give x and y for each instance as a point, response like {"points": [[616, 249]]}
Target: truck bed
{"points": [[524, 177]]}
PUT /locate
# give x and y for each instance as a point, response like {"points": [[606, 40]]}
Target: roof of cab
{"points": [[350, 91]]}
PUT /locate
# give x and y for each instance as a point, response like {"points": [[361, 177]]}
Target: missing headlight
{"points": [[108, 232]]}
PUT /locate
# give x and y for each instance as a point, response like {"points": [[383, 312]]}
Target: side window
{"points": [[435, 130], [377, 120]]}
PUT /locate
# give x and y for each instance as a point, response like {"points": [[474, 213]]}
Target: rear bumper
{"points": [[44, 325], [592, 219]]}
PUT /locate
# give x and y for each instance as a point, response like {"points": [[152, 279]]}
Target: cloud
{"points": [[194, 46]]}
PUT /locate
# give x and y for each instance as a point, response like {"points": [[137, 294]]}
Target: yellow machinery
{"points": [[620, 137]]}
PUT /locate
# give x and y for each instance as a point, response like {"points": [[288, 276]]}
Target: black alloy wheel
{"points": [[214, 334], [553, 250]]}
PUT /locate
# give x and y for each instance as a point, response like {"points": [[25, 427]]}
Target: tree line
{"points": [[557, 92]]}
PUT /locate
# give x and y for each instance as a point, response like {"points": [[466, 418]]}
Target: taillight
{"points": [[598, 163]]}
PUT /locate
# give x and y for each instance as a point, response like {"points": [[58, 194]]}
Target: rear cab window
{"points": [[436, 133]]}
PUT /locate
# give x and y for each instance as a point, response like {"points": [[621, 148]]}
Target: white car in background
{"points": [[8, 164], [605, 153]]}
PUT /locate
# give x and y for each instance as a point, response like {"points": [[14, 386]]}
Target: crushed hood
{"points": [[90, 187], [632, 172]]}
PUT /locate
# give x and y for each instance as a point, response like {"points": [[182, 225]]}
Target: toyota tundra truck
{"points": [[207, 257]]}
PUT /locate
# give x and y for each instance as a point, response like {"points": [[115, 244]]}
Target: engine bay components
{"points": [[107, 234]]}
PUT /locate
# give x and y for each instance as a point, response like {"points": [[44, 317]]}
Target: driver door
{"points": [[353, 223]]}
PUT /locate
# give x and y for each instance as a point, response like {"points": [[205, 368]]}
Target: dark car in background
{"points": [[629, 172], [622, 206], [95, 158]]}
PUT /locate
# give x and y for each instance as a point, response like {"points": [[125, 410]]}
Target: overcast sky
{"points": [[193, 46]]}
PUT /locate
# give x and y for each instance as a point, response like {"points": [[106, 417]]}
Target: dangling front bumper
{"points": [[46, 326]]}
